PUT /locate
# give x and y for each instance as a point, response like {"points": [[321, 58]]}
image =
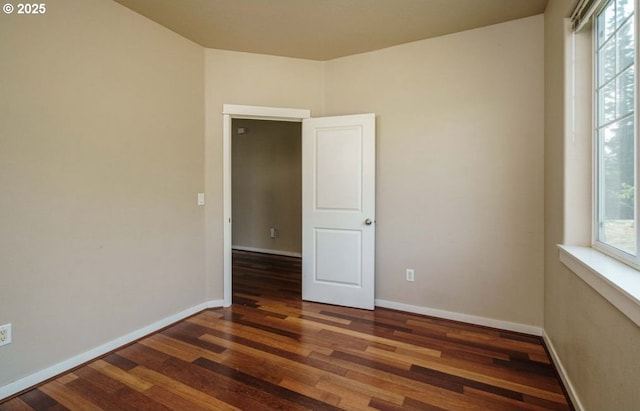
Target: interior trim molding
{"points": [[70, 363], [263, 112], [466, 318], [564, 376], [266, 251]]}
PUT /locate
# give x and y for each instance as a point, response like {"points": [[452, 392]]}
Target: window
{"points": [[616, 206], [603, 143]]}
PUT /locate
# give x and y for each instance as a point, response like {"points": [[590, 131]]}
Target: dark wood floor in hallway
{"points": [[271, 350]]}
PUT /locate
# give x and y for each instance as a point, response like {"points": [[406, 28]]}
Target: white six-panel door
{"points": [[338, 210]]}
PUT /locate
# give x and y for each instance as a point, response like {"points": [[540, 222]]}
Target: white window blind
{"points": [[584, 11]]}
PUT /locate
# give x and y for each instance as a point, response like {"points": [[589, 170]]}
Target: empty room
{"points": [[337, 204]]}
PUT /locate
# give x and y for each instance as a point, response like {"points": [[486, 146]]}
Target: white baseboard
{"points": [[472, 319], [266, 251], [563, 373], [61, 367]]}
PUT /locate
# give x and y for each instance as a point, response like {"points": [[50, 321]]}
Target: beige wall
{"points": [[247, 79], [598, 345], [101, 157], [267, 185], [459, 167]]}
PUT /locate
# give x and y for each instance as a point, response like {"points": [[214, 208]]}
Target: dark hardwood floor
{"points": [[271, 350]]}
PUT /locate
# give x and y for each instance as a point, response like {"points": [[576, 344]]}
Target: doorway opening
{"points": [[266, 164], [338, 203], [232, 112]]}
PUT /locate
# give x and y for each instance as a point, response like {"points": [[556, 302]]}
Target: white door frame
{"points": [[229, 112]]}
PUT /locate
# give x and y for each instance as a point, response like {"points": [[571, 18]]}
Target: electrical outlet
{"points": [[273, 232], [411, 274], [5, 334]]}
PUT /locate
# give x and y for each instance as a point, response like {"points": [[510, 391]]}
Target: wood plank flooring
{"points": [[271, 350]]}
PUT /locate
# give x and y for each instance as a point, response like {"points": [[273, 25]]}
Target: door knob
{"points": [[368, 221]]}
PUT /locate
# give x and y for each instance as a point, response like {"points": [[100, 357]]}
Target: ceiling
{"points": [[324, 29]]}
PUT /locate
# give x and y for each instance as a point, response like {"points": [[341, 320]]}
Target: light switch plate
{"points": [[200, 199]]}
